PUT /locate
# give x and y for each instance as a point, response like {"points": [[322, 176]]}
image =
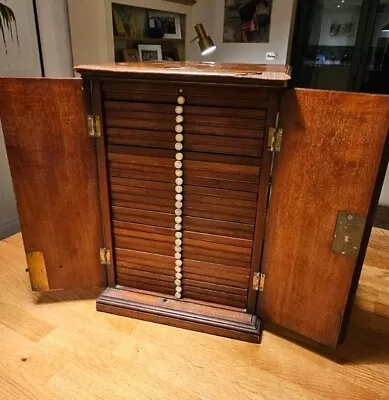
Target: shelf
{"points": [[184, 2], [147, 40]]}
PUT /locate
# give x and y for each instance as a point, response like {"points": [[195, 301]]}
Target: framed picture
{"points": [[247, 21], [150, 52], [125, 22], [337, 29], [170, 22], [130, 55]]}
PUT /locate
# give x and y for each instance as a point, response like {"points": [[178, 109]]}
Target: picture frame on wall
{"points": [[247, 21], [150, 52], [171, 24]]}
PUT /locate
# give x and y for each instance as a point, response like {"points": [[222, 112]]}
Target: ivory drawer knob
{"points": [[178, 164], [179, 110], [179, 197], [179, 172], [178, 204], [178, 269], [177, 295], [179, 181], [178, 263], [179, 275], [178, 220], [177, 282], [178, 256], [178, 249], [177, 227], [178, 212], [178, 289], [179, 128], [179, 137], [181, 100], [179, 156], [178, 242], [178, 236], [178, 190], [178, 146], [179, 119]]}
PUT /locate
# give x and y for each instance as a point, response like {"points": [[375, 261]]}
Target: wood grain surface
{"points": [[55, 346], [330, 158], [53, 167], [197, 69]]}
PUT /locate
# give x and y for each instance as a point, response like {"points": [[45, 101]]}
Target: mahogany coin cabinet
{"points": [[204, 196]]}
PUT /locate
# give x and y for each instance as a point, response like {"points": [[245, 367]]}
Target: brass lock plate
{"points": [[348, 234]]}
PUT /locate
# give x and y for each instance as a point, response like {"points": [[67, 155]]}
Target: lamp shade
{"points": [[205, 42]]}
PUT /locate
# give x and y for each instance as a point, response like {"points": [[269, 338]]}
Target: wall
{"points": [[9, 222], [92, 37], [95, 44], [55, 37], [202, 12], [384, 199], [382, 20], [211, 13], [17, 61]]}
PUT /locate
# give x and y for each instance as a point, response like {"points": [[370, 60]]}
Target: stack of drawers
{"points": [[184, 164]]}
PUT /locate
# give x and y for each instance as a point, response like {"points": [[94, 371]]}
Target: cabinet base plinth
{"points": [[180, 313]]}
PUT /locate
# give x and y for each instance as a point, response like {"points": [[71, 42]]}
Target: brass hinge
{"points": [[275, 139], [262, 282], [259, 281], [105, 256], [94, 126], [256, 281]]}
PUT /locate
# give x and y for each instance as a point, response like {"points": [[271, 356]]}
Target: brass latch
{"points": [[348, 234], [275, 139], [37, 271], [94, 126], [105, 256], [259, 281]]}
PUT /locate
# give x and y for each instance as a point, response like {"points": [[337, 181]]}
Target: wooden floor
{"points": [[56, 346]]}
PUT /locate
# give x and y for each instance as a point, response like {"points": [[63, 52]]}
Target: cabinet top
{"points": [[272, 74]]}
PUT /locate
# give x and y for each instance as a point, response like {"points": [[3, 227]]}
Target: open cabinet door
{"points": [[333, 159], [53, 168]]}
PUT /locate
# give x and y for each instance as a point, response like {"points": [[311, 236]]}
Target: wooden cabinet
{"points": [[207, 197]]}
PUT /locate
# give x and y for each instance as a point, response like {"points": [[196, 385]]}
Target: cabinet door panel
{"points": [[53, 167], [331, 160]]}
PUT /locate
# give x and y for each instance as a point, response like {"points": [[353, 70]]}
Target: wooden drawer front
{"points": [[219, 211], [207, 129], [196, 95], [223, 139], [141, 186], [146, 271], [220, 203]]}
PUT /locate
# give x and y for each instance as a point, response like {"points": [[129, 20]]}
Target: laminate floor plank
{"points": [[55, 346]]}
